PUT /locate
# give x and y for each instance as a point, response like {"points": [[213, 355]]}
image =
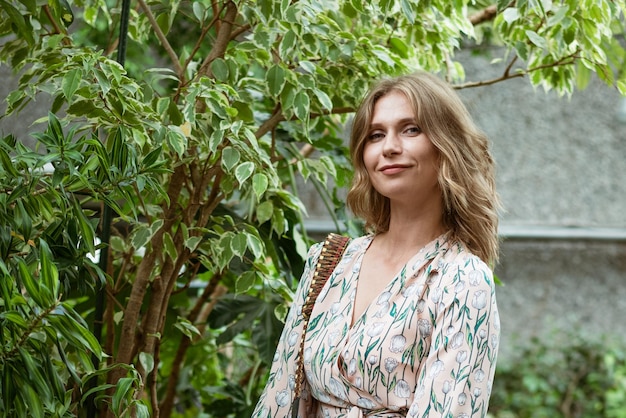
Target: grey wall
{"points": [[562, 179], [561, 161], [20, 125]]}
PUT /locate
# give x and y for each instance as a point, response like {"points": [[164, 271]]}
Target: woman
{"points": [[407, 324]]}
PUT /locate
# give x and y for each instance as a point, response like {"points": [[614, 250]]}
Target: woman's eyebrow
{"points": [[403, 121]]}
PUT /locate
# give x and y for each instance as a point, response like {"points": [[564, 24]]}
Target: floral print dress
{"points": [[425, 347]]}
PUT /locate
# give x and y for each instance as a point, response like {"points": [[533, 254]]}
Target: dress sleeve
{"points": [[278, 395], [456, 376]]}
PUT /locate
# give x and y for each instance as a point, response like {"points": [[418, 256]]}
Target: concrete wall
{"points": [[562, 178], [20, 125], [561, 162]]}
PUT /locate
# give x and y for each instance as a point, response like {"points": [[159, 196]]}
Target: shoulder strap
{"points": [[332, 250]]}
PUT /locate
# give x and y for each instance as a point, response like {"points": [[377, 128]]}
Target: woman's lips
{"points": [[393, 169]]}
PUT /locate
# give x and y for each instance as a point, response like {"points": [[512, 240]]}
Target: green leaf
{"points": [[192, 243], [147, 361], [143, 234], [177, 140], [65, 12], [238, 244], [49, 273], [123, 389], [70, 83], [399, 46], [142, 410], [323, 99], [255, 245], [302, 105], [408, 11], [225, 254], [287, 44], [264, 212], [230, 157], [86, 228], [259, 184], [23, 220], [38, 294], [215, 140], [72, 326], [245, 282], [7, 164], [220, 70], [170, 247], [199, 10], [187, 328], [244, 171], [511, 14], [33, 400], [558, 16], [14, 318], [18, 20], [275, 79], [536, 39]]}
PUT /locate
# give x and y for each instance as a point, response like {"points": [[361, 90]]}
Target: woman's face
{"points": [[400, 160]]}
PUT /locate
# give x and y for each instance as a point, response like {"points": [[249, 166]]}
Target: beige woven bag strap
{"points": [[332, 250]]}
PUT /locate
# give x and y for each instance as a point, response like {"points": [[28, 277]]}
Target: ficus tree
{"points": [[150, 241]]}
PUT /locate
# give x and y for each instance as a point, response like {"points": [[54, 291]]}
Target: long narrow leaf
{"points": [[49, 272], [122, 389]]}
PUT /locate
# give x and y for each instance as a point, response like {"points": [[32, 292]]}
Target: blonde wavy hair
{"points": [[466, 171]]}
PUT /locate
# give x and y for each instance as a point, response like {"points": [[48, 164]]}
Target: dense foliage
{"points": [[567, 377], [150, 242]]}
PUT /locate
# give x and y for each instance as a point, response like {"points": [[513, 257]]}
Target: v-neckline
{"points": [[410, 262]]}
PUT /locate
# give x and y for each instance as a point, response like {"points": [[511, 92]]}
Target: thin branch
{"points": [[304, 152], [159, 33], [34, 324], [488, 82], [507, 70], [271, 123], [57, 28], [278, 117], [484, 15], [197, 314], [222, 40], [205, 30], [243, 29], [568, 60]]}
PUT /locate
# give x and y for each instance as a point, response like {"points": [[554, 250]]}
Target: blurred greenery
{"points": [[568, 376]]}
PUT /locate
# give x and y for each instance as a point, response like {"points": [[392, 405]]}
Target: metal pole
{"points": [[107, 216]]}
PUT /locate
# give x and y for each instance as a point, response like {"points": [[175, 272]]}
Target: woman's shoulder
{"points": [[459, 255]]}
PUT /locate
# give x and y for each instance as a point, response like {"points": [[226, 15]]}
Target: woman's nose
{"points": [[392, 144]]}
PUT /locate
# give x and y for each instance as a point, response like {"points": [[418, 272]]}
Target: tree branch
{"points": [[484, 15], [205, 30], [128, 338], [270, 123], [195, 316], [278, 117], [568, 60], [159, 33], [222, 40], [242, 29]]}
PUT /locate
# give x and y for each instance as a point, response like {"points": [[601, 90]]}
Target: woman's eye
{"points": [[413, 130], [375, 135]]}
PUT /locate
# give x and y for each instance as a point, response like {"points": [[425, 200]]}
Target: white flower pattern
{"points": [[426, 344]]}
